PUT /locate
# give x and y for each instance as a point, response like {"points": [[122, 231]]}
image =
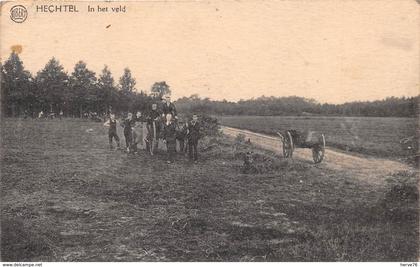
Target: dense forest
{"points": [[294, 105], [53, 90]]}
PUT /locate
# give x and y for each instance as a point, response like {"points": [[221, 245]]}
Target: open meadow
{"points": [[366, 135], [65, 196]]}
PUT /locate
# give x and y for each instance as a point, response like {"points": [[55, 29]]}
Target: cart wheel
{"points": [[288, 146], [318, 151]]}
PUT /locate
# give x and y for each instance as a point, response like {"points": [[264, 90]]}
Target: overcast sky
{"points": [[330, 50]]}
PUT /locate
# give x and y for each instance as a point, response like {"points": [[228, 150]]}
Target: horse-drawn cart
{"points": [[292, 139]]}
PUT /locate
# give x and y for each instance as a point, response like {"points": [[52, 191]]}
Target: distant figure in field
{"points": [[169, 137], [112, 131], [127, 124], [193, 134], [41, 115], [51, 115], [60, 115]]}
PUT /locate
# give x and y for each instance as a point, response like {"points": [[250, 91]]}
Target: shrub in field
{"points": [[256, 162], [217, 148], [209, 125], [239, 139], [253, 161]]}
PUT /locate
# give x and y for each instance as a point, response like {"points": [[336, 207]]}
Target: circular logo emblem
{"points": [[18, 13]]}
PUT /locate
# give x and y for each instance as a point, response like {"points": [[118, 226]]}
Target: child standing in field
{"points": [[128, 124], [181, 136], [112, 131], [193, 134]]}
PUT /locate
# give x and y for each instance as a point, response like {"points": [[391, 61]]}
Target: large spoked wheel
{"points": [[318, 151], [288, 145]]}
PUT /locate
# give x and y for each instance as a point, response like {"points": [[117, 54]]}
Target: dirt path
{"points": [[369, 169]]}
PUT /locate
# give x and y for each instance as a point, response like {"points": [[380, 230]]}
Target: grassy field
{"points": [[66, 197], [371, 136]]}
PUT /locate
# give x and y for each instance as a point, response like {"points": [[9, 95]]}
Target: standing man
{"points": [[153, 132], [169, 107], [112, 131], [193, 134], [169, 137]]}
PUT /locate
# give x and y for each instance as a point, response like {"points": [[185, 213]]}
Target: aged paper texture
{"points": [[209, 131]]}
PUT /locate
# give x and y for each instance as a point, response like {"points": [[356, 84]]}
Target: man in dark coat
{"points": [[153, 115], [181, 136], [193, 134], [169, 107], [153, 118], [169, 137]]}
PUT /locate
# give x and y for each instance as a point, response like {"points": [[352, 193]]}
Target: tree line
{"points": [[53, 90], [294, 105]]}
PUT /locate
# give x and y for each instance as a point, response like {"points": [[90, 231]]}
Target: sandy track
{"points": [[369, 169]]}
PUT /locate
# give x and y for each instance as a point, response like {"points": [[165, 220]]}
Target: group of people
{"points": [[162, 123], [50, 115]]}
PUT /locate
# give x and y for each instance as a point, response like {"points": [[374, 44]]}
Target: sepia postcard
{"points": [[209, 131]]}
